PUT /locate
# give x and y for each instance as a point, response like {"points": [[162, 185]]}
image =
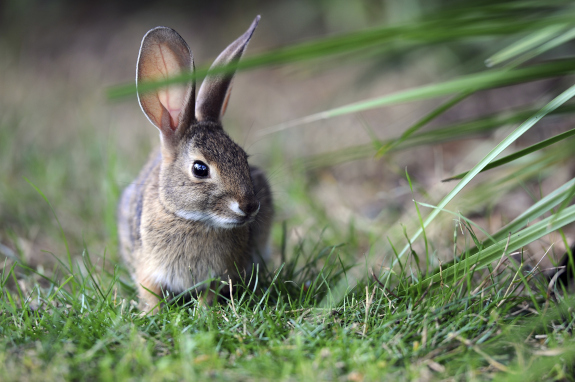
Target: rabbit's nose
{"points": [[250, 208]]}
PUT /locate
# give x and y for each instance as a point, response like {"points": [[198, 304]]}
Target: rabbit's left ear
{"points": [[215, 90], [164, 55]]}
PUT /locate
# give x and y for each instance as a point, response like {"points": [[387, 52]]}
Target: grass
{"points": [[427, 292], [302, 322]]}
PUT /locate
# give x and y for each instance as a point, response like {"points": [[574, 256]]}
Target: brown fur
{"points": [[177, 230]]}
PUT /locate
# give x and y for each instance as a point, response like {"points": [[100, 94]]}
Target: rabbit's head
{"points": [[204, 175]]}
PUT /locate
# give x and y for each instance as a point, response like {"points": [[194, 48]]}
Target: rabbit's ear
{"points": [[215, 90], [164, 54]]}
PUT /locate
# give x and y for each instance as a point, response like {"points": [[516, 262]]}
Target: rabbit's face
{"points": [[209, 179]]}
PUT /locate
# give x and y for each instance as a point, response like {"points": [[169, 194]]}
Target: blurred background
{"points": [[62, 133]]}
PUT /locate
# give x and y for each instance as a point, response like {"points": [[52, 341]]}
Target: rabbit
{"points": [[197, 210]]}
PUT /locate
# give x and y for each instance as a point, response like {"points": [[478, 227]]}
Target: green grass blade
{"points": [[434, 29], [59, 288], [422, 122], [554, 104], [558, 196], [478, 81], [553, 199], [559, 40], [520, 153], [420, 222], [516, 241], [525, 44], [448, 133]]}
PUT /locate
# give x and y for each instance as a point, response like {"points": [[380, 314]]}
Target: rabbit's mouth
{"points": [[237, 222], [216, 221], [237, 219]]}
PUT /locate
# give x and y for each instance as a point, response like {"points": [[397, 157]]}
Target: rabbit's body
{"points": [[170, 254], [197, 210]]}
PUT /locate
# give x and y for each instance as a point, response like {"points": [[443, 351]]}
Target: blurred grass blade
{"points": [[553, 199], [448, 133], [558, 196], [478, 126], [422, 122], [516, 241], [433, 29], [560, 40], [525, 44], [478, 81], [520, 153], [345, 155], [554, 104]]}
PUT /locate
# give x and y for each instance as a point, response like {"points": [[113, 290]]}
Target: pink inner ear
{"points": [[172, 99], [165, 64]]}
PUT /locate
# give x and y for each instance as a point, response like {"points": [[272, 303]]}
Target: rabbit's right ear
{"points": [[164, 54], [215, 90]]}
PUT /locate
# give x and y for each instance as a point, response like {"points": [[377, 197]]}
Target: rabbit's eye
{"points": [[200, 169]]}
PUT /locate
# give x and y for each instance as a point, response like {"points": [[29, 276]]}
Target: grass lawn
{"points": [[301, 323]]}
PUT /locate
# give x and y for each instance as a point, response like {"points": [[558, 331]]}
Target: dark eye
{"points": [[200, 169]]}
